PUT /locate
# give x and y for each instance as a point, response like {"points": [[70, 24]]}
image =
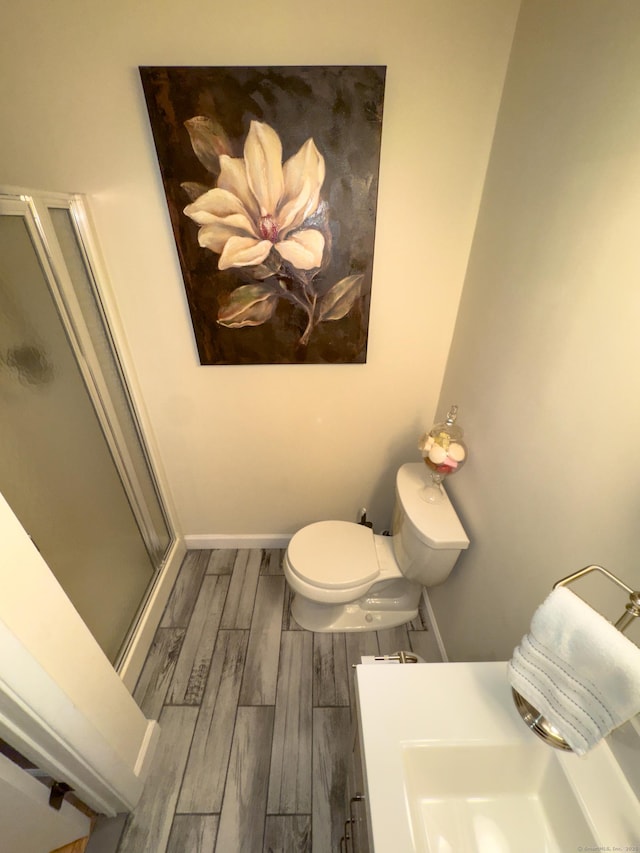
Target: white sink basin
{"points": [[450, 767], [491, 798]]}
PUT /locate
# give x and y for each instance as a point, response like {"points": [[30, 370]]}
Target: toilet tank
{"points": [[427, 538]]}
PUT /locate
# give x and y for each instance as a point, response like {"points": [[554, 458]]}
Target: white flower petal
{"points": [[263, 162], [233, 178], [243, 252], [215, 234], [303, 249], [304, 175], [215, 204], [292, 214]]}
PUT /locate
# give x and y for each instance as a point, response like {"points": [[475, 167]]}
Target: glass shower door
{"points": [[73, 464]]}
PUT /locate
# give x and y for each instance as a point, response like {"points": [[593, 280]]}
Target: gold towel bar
{"points": [[633, 606], [532, 718]]}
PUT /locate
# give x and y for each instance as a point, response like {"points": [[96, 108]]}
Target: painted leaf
{"points": [[208, 141], [193, 189], [338, 300], [261, 272], [249, 305]]}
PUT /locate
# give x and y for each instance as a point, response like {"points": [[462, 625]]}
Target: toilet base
{"points": [[329, 618]]}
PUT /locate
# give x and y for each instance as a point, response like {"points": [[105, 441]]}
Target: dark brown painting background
{"points": [[340, 107]]}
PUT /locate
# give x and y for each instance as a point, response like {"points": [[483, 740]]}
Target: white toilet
{"points": [[346, 578]]}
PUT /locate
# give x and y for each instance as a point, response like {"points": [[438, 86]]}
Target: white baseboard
{"points": [[207, 541], [139, 645], [434, 627], [147, 749]]}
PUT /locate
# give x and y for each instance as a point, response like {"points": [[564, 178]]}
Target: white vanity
{"points": [[447, 764]]}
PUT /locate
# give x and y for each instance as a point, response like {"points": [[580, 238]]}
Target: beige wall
{"points": [[545, 361], [266, 449]]}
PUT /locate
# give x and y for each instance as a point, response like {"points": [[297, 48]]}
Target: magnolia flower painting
{"points": [[271, 181]]}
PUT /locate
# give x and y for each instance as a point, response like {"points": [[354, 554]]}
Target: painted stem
{"points": [[308, 305], [304, 340]]}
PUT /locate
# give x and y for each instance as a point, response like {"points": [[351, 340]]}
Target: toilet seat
{"points": [[343, 577], [334, 555]]}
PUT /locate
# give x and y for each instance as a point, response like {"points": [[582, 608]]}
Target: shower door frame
{"points": [[34, 207]]}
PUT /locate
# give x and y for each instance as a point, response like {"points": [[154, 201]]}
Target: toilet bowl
{"points": [[344, 577]]}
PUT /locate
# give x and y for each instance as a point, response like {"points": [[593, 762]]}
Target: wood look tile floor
{"points": [[255, 714]]}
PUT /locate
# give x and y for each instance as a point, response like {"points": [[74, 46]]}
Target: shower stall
{"points": [[74, 463]]}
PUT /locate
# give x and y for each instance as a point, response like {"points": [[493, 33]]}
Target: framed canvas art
{"points": [[271, 179]]}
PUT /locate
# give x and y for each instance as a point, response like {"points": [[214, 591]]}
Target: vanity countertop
{"points": [[454, 704]]}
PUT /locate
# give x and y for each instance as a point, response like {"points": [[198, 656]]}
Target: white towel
{"points": [[577, 670]]}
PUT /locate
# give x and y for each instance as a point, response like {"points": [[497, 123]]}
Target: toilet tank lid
{"points": [[437, 525]]}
